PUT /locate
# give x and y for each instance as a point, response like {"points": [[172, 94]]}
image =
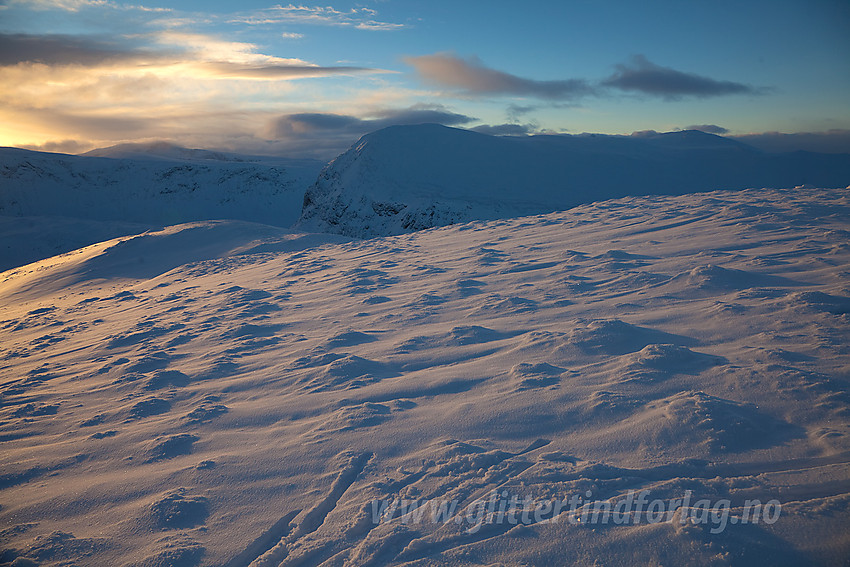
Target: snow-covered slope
{"points": [[28, 239], [155, 252], [256, 405], [54, 203], [406, 178], [159, 189]]}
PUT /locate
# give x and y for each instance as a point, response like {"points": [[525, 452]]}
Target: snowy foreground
{"points": [[228, 393]]}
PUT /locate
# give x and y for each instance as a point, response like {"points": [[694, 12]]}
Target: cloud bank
{"points": [[471, 77], [161, 84], [67, 50], [333, 133], [301, 123], [156, 51], [163, 77], [644, 76]]}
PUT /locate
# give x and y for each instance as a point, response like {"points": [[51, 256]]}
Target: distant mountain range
{"points": [[407, 178], [156, 183], [55, 203], [395, 180]]}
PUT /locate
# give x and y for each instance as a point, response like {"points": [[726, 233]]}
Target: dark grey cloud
{"points": [[92, 51], [420, 114], [514, 112], [323, 124], [471, 77], [64, 50], [505, 129], [315, 121], [330, 134], [708, 128], [644, 76], [831, 141]]}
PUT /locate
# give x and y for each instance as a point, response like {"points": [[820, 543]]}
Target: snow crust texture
{"points": [[226, 393]]}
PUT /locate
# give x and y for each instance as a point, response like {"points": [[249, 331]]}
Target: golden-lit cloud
{"points": [[56, 87], [128, 71]]}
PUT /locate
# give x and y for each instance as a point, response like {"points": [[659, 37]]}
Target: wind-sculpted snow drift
{"points": [[649, 380], [406, 178]]}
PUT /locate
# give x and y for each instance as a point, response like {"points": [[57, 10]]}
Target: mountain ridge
{"points": [[405, 178], [156, 189], [395, 180]]}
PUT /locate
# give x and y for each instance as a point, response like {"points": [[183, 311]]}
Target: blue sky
{"points": [[308, 79]]}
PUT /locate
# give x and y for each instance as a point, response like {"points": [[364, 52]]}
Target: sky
{"points": [[306, 80]]}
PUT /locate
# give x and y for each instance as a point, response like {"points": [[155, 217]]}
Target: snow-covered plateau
{"points": [[654, 379]]}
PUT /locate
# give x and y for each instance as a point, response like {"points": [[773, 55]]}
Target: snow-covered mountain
{"points": [[167, 185], [395, 180], [54, 203], [406, 178], [231, 394], [162, 150]]}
